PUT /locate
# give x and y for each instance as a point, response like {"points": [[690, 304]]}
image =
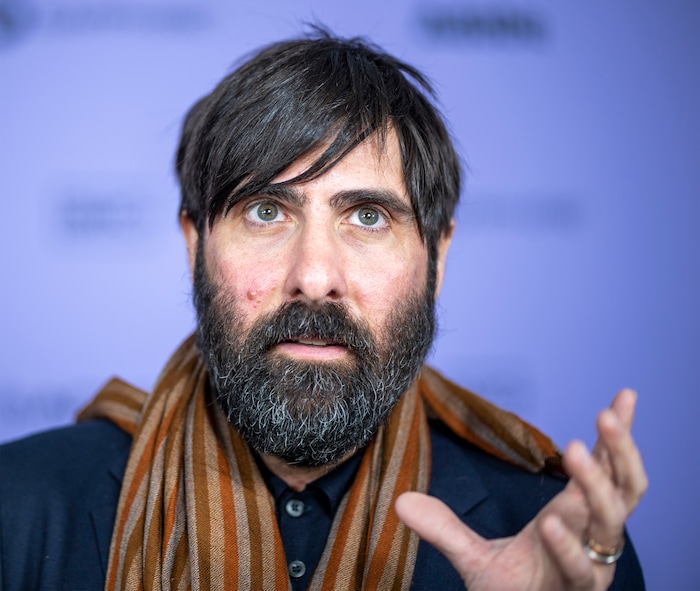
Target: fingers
{"points": [[564, 548], [435, 522], [609, 483], [626, 468], [622, 407], [607, 507], [617, 451]]}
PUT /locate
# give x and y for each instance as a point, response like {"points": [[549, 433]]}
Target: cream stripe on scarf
{"points": [[195, 513]]}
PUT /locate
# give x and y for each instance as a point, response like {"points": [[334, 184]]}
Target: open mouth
{"points": [[312, 348], [315, 343]]}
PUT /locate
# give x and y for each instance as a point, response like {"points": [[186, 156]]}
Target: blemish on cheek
{"points": [[256, 296]]}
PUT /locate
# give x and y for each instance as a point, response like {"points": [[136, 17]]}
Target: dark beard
{"points": [[309, 414]]}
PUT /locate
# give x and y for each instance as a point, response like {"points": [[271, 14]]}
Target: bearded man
{"points": [[290, 442]]}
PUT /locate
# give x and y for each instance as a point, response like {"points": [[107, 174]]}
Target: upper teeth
{"points": [[314, 343]]}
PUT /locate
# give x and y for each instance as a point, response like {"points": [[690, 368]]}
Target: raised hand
{"points": [[566, 544]]}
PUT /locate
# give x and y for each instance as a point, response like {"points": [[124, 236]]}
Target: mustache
{"points": [[329, 321]]}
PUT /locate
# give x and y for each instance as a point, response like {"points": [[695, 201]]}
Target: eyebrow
{"points": [[286, 194]]}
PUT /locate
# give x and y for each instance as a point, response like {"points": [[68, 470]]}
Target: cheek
{"points": [[244, 283], [386, 286]]}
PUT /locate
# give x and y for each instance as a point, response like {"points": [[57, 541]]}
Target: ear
{"points": [[442, 248], [189, 231]]}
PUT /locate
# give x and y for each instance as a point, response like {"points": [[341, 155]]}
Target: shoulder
{"points": [[52, 465], [58, 495], [88, 441]]}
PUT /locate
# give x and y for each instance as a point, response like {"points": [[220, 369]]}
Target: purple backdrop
{"points": [[575, 269]]}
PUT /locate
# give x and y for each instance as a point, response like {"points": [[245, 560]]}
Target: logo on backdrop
{"points": [[17, 18], [482, 25], [116, 212], [104, 217]]}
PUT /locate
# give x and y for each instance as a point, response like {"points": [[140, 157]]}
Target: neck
{"points": [[297, 477]]}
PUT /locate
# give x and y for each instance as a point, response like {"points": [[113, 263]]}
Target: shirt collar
{"points": [[330, 487]]}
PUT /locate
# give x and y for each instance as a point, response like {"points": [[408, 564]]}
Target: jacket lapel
{"points": [[104, 510], [453, 477]]}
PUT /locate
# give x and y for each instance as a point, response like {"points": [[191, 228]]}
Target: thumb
{"points": [[437, 524]]}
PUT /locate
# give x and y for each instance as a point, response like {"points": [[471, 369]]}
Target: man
{"points": [[287, 444]]}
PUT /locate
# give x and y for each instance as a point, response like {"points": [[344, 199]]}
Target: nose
{"points": [[317, 266]]}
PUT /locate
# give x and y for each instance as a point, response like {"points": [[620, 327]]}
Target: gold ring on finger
{"points": [[603, 554]]}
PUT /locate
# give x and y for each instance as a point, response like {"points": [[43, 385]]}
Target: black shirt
{"points": [[304, 518]]}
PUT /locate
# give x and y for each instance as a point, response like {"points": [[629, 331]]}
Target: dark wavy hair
{"points": [[295, 96]]}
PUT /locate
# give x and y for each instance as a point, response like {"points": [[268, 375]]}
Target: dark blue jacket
{"points": [[59, 493]]}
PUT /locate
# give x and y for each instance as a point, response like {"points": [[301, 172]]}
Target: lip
{"points": [[311, 349]]}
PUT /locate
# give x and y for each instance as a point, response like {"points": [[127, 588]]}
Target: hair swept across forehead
{"points": [[296, 96]]}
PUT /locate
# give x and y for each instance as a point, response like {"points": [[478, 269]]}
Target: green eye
{"points": [[267, 211], [368, 216]]}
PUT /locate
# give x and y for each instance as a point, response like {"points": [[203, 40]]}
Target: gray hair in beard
{"points": [[309, 414]]}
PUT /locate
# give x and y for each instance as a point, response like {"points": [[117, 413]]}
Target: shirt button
{"points": [[297, 569], [294, 508]]}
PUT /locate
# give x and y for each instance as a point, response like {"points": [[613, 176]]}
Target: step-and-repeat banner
{"points": [[575, 266]]}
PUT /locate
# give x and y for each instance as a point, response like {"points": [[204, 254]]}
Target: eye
{"points": [[266, 212], [368, 216]]}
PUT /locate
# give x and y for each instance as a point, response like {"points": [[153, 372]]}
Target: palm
{"points": [[522, 562], [510, 564]]}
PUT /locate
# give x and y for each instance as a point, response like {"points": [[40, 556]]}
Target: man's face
{"points": [[314, 315]]}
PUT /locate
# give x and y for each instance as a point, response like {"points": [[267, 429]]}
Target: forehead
{"points": [[374, 163]]}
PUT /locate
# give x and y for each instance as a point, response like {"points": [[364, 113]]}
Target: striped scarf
{"points": [[195, 513]]}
